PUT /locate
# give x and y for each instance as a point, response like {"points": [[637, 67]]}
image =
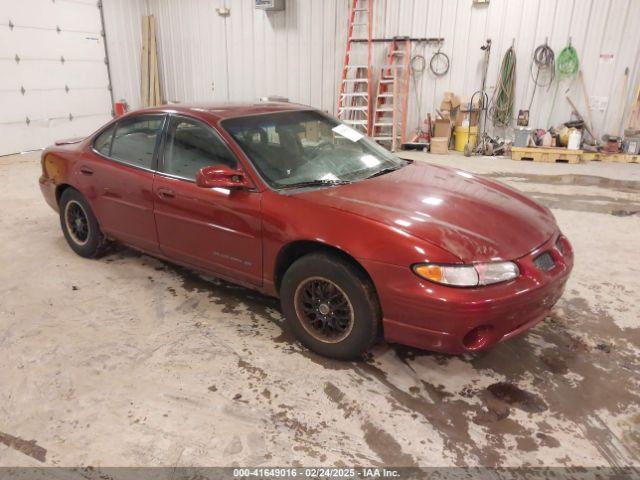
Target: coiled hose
{"points": [[543, 63], [567, 63], [502, 102]]}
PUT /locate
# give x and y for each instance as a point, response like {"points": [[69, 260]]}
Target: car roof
{"points": [[220, 111]]}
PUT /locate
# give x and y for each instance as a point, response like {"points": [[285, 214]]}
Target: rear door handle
{"points": [[86, 170], [164, 192]]}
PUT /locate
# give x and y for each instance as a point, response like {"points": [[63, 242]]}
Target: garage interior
{"points": [[127, 360]]}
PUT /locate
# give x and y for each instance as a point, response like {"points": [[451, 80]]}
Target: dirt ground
{"points": [[127, 360]]}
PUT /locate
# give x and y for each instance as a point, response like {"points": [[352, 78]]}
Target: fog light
{"points": [[478, 337]]}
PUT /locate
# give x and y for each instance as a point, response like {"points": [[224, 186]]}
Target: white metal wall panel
{"points": [[192, 49], [52, 72], [123, 25], [298, 53]]}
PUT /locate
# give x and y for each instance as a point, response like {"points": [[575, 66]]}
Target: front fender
{"points": [[287, 219]]}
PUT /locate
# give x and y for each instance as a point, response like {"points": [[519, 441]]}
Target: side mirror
{"points": [[220, 176]]}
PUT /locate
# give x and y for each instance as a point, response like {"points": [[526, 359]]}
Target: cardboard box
{"points": [[467, 118], [451, 98], [440, 145], [446, 105], [450, 102], [442, 128]]}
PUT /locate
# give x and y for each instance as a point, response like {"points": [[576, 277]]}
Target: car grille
{"points": [[544, 262]]}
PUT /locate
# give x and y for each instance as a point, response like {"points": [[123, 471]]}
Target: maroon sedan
{"points": [[285, 200]]}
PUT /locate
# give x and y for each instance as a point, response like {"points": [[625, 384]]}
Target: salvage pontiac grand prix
{"points": [[281, 198]]}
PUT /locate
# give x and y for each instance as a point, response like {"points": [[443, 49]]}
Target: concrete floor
{"points": [[127, 360]]}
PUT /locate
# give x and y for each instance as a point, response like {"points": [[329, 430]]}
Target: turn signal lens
{"points": [[430, 272], [467, 275]]}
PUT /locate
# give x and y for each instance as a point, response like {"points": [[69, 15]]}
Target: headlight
{"points": [[467, 275]]}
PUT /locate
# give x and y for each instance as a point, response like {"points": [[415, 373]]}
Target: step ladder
{"points": [[392, 96], [354, 99]]}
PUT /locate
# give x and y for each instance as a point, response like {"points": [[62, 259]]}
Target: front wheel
{"points": [[330, 305], [79, 225]]}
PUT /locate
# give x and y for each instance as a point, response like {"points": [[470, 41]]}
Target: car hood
{"points": [[473, 218]]}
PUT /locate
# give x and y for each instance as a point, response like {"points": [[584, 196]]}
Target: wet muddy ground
{"points": [[128, 360]]}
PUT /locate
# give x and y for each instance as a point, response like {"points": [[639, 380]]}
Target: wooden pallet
{"points": [[619, 157], [610, 157], [546, 154], [590, 157]]}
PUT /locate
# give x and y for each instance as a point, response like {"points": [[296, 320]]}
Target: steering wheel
{"points": [[323, 144]]}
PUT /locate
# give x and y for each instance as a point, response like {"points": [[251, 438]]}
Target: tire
{"points": [[488, 149], [356, 321], [79, 225], [467, 150]]}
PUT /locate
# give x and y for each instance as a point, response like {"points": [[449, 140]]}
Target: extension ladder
{"points": [[354, 100], [392, 96]]}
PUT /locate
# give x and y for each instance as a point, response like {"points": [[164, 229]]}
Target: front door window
{"points": [[192, 145]]}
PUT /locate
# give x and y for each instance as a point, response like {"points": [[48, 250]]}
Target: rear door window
{"points": [[135, 140]]}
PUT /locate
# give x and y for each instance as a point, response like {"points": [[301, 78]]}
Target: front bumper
{"points": [[453, 320]]}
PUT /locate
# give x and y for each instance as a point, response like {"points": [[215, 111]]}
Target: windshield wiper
{"points": [[317, 183], [383, 171]]}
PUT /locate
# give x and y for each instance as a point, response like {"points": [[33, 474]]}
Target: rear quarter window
{"points": [[102, 144]]}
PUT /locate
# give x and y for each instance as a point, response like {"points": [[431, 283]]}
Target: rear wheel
{"points": [[79, 225], [330, 305]]}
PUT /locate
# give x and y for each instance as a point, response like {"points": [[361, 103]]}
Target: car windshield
{"points": [[307, 148]]}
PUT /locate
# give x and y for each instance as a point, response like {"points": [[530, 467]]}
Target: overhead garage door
{"points": [[53, 78]]}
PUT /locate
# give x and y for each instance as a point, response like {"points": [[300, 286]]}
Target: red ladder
{"points": [[354, 100], [392, 96]]}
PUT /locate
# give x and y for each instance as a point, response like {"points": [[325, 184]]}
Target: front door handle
{"points": [[164, 192], [86, 170]]}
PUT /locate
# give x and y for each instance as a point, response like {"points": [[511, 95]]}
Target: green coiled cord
{"points": [[502, 108], [567, 63]]}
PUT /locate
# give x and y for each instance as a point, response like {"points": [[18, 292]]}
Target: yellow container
{"points": [[461, 136]]}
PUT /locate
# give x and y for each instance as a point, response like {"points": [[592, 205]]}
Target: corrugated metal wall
{"points": [[123, 31], [298, 53]]}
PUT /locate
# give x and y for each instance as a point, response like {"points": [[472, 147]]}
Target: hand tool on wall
{"points": [[439, 63], [580, 117], [485, 145], [587, 104], [486, 48], [621, 106]]}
